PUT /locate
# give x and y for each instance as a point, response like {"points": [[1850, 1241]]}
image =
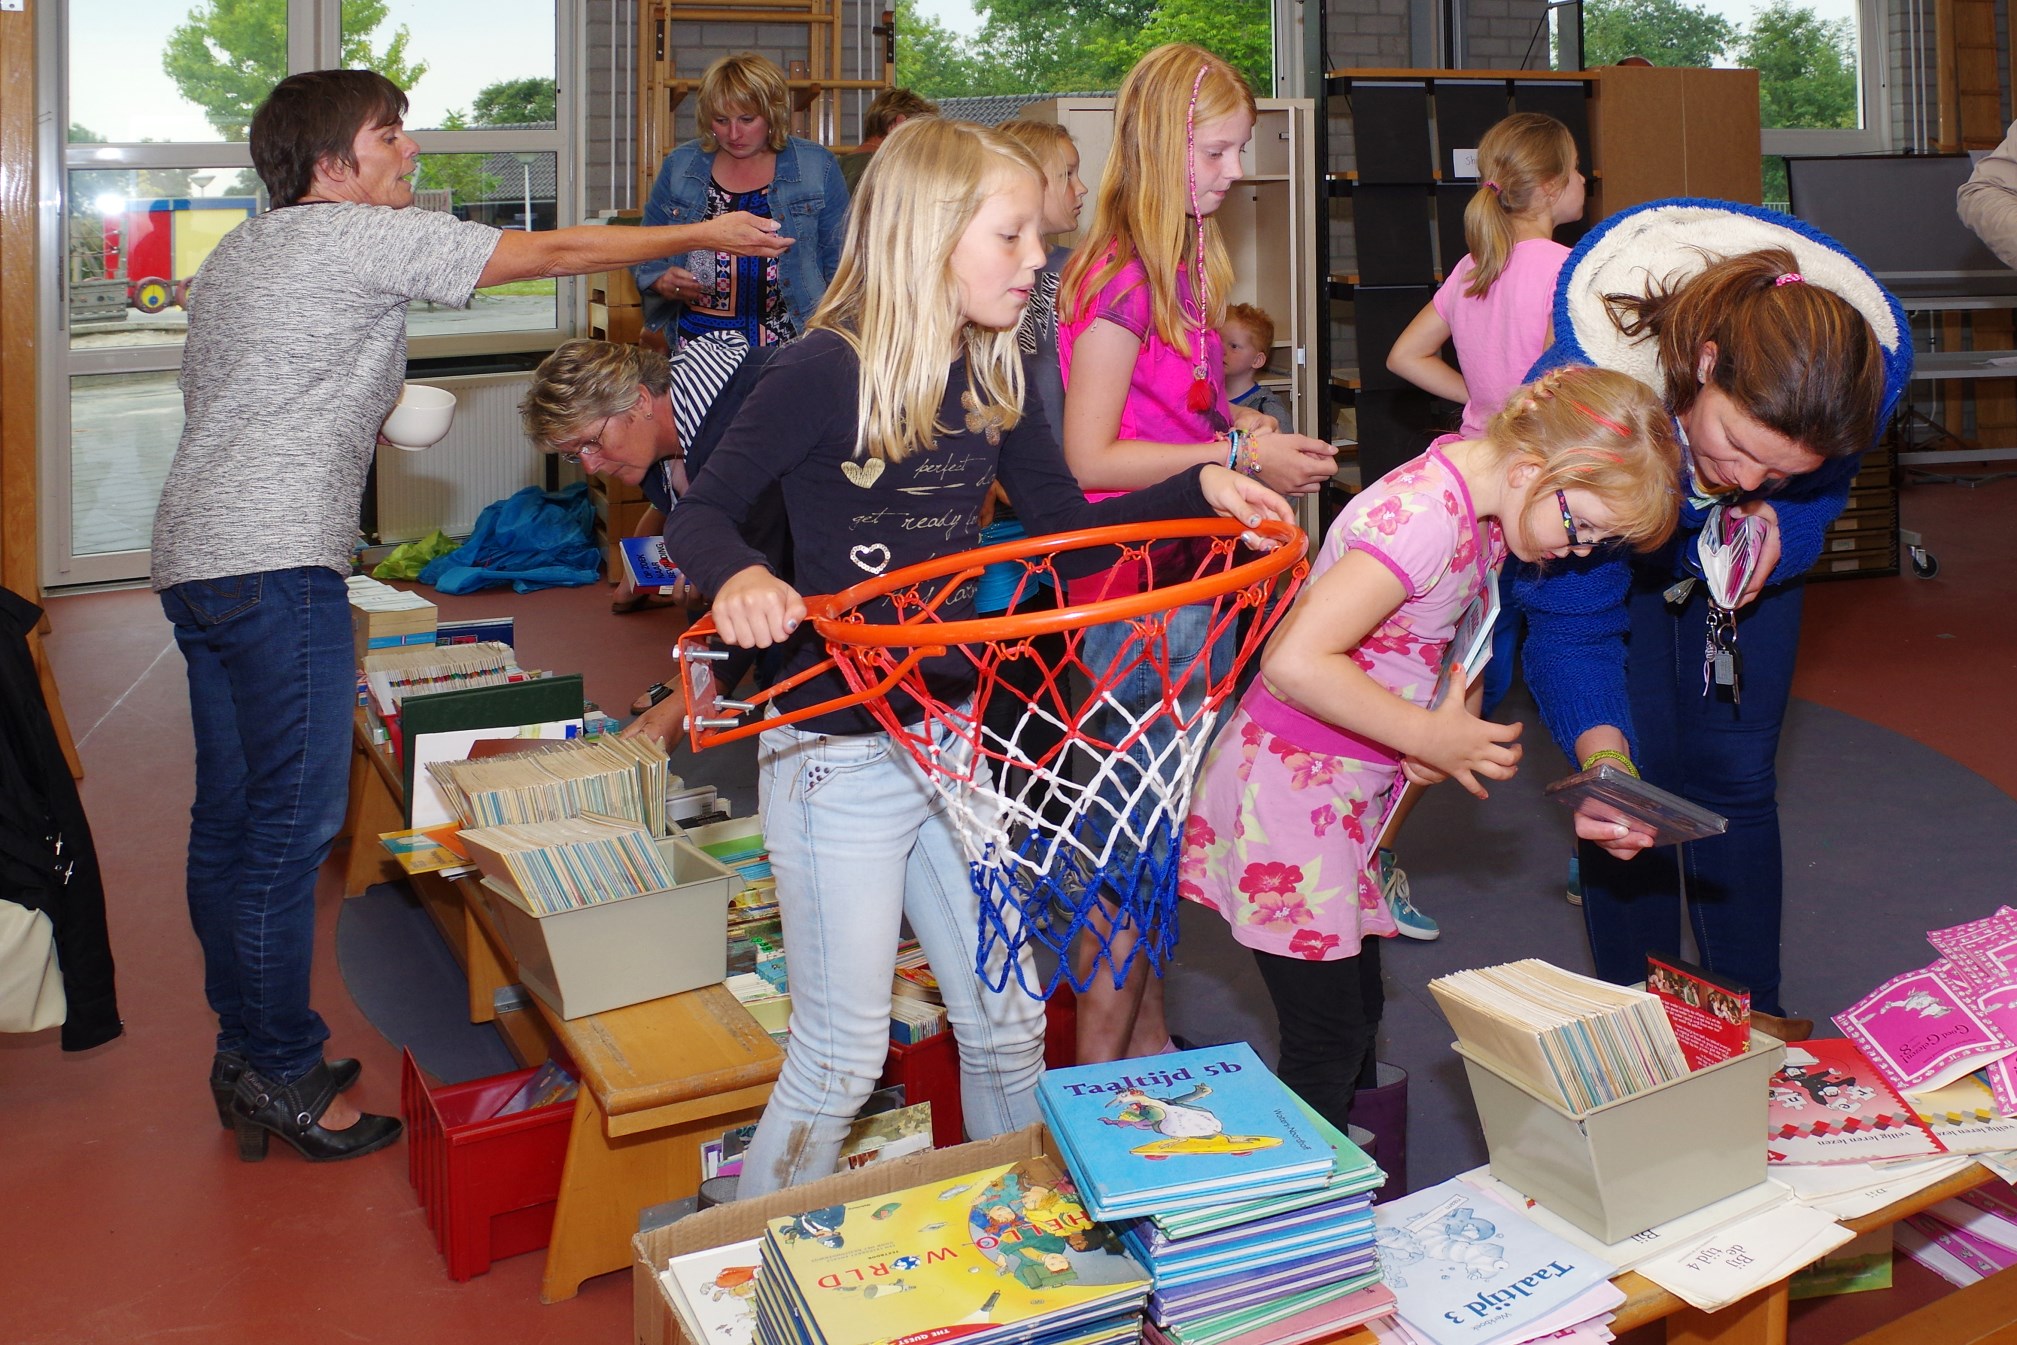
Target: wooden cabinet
{"points": [[1660, 132]]}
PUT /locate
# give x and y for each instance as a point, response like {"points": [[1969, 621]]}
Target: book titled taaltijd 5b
{"points": [[1176, 1132]]}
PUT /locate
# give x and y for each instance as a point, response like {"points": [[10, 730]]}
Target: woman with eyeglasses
{"points": [[1780, 357], [637, 415]]}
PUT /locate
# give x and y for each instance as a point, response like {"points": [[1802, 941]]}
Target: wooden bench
{"points": [[1983, 1313], [658, 1078]]}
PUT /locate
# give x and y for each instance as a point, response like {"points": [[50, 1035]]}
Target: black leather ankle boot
{"points": [[228, 1065], [262, 1108]]}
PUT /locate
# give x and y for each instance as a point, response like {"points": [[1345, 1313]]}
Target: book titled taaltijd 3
{"points": [[1180, 1131]]}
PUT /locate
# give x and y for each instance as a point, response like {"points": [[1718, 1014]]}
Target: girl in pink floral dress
{"points": [[1281, 836]]}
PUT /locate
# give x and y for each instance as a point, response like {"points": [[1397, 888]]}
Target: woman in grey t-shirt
{"points": [[296, 353]]}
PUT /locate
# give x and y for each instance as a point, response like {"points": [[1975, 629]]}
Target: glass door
{"points": [[144, 151]]}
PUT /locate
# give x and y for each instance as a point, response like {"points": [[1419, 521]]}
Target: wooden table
{"points": [[1761, 1318], [658, 1077]]}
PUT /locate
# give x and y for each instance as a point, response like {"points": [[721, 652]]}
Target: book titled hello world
{"points": [[1171, 1132]]}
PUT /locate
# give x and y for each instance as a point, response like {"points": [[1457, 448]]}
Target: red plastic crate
{"points": [[929, 1070], [488, 1183]]}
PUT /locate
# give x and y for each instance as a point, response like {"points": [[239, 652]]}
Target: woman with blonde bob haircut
{"points": [[744, 158], [885, 426]]}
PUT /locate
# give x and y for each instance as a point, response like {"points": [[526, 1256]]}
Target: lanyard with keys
{"points": [[1728, 547]]}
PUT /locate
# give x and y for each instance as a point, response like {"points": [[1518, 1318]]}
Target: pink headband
{"points": [[1790, 278], [1613, 426]]}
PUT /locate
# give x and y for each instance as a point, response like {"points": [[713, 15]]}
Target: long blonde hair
{"points": [[1519, 160], [1143, 212], [894, 297]]}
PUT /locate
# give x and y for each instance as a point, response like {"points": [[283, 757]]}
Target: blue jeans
{"points": [[272, 690], [859, 841], [1135, 874], [1720, 755]]}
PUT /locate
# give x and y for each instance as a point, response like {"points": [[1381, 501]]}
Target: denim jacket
{"points": [[808, 198]]}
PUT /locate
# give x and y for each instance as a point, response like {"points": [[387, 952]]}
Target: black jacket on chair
{"points": [[47, 861]]}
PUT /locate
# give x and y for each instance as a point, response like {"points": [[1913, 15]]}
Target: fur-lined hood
{"points": [[1667, 241]]}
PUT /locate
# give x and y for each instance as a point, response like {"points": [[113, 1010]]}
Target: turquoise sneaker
{"points": [[1575, 892], [1412, 922]]}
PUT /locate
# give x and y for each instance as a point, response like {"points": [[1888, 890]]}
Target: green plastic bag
{"points": [[408, 559]]}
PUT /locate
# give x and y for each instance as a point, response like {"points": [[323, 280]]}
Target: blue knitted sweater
{"points": [[1575, 651]]}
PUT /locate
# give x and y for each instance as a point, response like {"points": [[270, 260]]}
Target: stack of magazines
{"points": [[1577, 1041], [549, 867], [1003, 1256], [1254, 1214], [616, 777]]}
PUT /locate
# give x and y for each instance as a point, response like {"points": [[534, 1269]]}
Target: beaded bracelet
{"points": [[1611, 754], [1251, 464]]}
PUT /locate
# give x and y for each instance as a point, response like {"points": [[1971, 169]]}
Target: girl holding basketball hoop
{"points": [[886, 425], [1284, 823], [1139, 307]]}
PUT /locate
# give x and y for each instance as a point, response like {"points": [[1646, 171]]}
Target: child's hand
{"points": [[1253, 422], [755, 609], [1295, 464], [1244, 500], [1465, 746], [1421, 772]]}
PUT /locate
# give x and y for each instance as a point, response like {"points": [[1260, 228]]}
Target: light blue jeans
{"points": [[859, 841]]}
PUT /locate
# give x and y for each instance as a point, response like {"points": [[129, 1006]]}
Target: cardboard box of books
{"points": [[627, 950], [1619, 1169], [654, 1322]]}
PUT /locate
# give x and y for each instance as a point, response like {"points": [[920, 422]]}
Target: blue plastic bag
{"points": [[530, 540]]}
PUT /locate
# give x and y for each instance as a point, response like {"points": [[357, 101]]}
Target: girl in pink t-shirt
{"points": [[1280, 835], [1139, 308], [1495, 304]]}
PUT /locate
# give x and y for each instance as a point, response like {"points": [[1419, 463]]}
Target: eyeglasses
{"points": [[1577, 542], [584, 447]]}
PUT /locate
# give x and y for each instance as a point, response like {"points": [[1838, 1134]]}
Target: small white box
{"points": [[1621, 1168], [628, 950]]}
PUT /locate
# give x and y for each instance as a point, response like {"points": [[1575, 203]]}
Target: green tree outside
{"points": [[1665, 32], [1073, 46], [227, 56], [1806, 68], [461, 175], [514, 102]]}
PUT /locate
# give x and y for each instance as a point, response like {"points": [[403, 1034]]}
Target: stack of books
{"points": [[1006, 1255], [612, 777], [384, 617], [1575, 1040], [754, 933], [1467, 1270], [395, 674], [916, 1008], [1967, 1238], [549, 867], [1251, 1213]]}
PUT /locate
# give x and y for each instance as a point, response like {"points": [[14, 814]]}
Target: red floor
{"points": [[131, 1219]]}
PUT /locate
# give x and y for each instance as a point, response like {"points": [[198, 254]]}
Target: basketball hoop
{"points": [[1100, 808]]}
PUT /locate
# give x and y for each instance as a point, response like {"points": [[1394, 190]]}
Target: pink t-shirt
{"points": [[1156, 410], [1500, 335]]}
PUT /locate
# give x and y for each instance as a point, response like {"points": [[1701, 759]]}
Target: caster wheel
{"points": [[1924, 563]]}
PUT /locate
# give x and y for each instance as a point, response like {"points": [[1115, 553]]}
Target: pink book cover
{"points": [[1971, 1255], [1999, 1005], [1826, 1087], [1922, 1030], [1986, 948]]}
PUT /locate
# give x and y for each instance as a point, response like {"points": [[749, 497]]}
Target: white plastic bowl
{"points": [[420, 418]]}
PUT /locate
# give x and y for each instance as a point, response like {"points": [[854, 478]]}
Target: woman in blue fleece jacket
{"points": [[1781, 359]]}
